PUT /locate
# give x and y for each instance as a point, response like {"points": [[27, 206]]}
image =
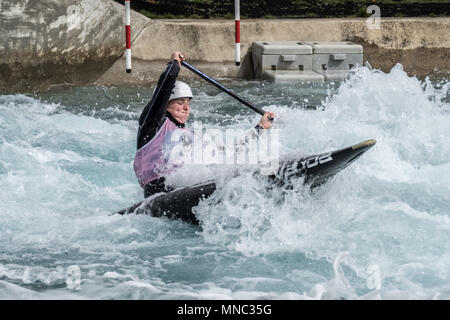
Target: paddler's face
{"points": [[179, 108]]}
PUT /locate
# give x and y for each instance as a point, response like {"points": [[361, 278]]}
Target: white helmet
{"points": [[181, 90]]}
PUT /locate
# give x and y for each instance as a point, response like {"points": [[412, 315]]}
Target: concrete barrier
{"points": [[45, 43], [421, 45]]}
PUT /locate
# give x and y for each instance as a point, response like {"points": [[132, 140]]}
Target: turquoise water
{"points": [[379, 230]]}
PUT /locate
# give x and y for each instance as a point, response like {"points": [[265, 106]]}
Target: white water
{"points": [[378, 230]]}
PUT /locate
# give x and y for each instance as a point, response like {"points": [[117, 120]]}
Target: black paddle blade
{"points": [[128, 210]]}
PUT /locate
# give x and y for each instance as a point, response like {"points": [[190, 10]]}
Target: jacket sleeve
{"points": [[155, 110]]}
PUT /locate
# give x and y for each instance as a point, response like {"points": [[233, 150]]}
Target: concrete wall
{"points": [[45, 42], [48, 42], [422, 45]]}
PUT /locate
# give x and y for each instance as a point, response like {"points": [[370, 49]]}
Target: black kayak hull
{"points": [[316, 170]]}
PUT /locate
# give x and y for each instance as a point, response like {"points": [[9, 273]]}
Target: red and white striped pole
{"points": [[237, 25], [127, 36]]}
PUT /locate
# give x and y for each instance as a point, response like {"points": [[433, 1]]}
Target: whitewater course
{"points": [[379, 229]]}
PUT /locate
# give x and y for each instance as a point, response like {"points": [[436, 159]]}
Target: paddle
{"points": [[129, 209], [226, 90]]}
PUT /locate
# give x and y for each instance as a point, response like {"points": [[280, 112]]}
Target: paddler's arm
{"points": [[265, 123], [155, 110], [254, 133]]}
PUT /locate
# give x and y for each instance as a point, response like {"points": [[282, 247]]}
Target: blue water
{"points": [[379, 230]]}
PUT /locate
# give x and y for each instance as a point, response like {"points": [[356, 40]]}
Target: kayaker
{"points": [[162, 125]]}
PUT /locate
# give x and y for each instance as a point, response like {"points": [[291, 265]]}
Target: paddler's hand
{"points": [[265, 122], [179, 56]]}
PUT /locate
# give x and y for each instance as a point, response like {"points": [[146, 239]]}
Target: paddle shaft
{"points": [[226, 90]]}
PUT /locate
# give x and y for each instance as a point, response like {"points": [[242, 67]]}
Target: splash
{"points": [[376, 230], [381, 208]]}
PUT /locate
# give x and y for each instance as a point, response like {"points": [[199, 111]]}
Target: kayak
{"points": [[316, 170]]}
